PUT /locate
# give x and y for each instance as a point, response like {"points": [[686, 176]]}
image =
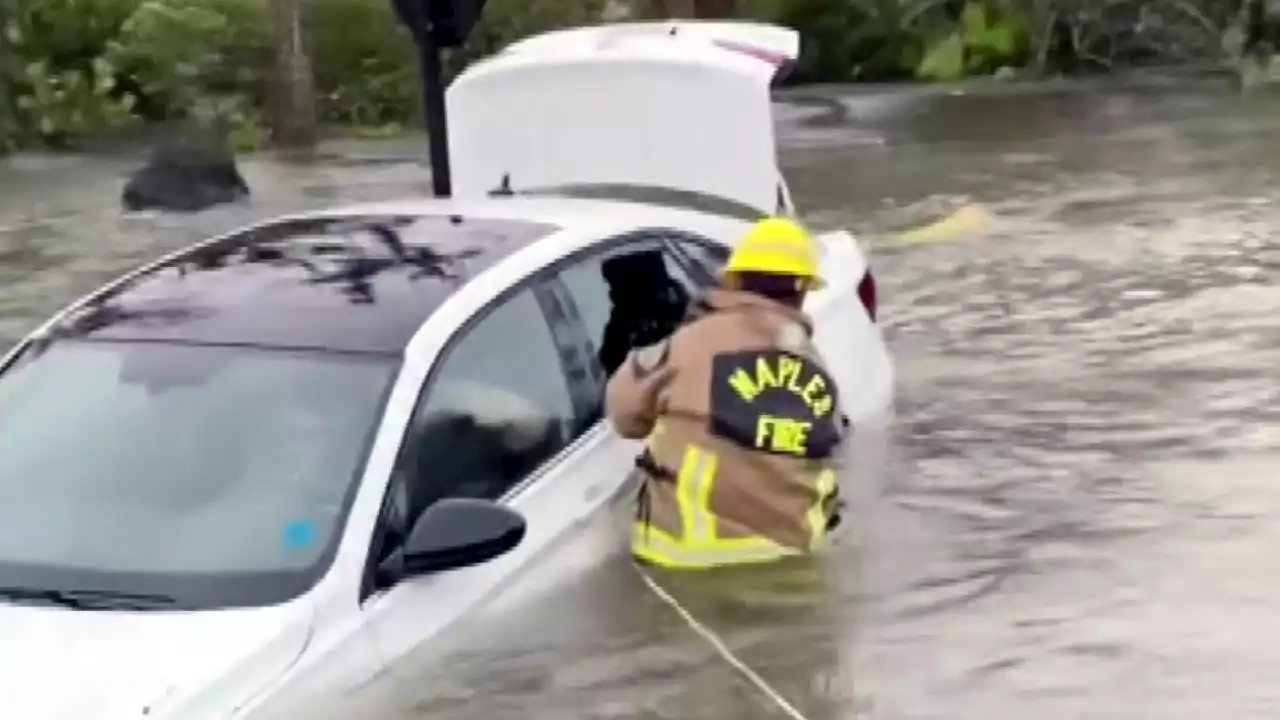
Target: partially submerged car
{"points": [[277, 462]]}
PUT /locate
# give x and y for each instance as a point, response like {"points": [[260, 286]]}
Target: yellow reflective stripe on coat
{"points": [[817, 515], [693, 494], [657, 547], [699, 546]]}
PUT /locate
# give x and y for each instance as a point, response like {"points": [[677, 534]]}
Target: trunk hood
{"points": [[630, 105], [58, 664]]}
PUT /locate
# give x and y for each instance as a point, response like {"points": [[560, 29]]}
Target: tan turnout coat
{"points": [[741, 420]]}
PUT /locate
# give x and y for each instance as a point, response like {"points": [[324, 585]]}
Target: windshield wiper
{"points": [[88, 599]]}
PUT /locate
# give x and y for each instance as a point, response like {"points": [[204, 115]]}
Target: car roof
{"points": [[328, 280], [582, 209], [349, 282]]}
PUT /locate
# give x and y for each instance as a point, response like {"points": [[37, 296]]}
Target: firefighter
{"points": [[741, 417], [737, 480]]}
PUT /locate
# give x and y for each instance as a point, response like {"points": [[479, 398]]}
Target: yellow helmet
{"points": [[779, 246]]}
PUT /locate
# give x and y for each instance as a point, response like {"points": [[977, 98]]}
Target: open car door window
{"points": [[633, 293]]}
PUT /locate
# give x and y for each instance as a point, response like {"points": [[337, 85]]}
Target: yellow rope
{"points": [[721, 649]]}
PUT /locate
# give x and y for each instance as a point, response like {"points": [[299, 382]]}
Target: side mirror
{"points": [[459, 532]]}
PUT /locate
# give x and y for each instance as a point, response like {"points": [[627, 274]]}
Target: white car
{"points": [[285, 458]]}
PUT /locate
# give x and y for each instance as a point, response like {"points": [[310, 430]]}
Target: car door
{"points": [[498, 419], [581, 299]]}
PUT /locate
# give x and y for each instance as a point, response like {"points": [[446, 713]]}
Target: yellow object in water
{"points": [[968, 220]]}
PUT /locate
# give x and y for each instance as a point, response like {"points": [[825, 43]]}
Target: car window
{"points": [[215, 475], [496, 408], [628, 297], [585, 378]]}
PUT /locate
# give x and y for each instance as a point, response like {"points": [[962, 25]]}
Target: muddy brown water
{"points": [[1083, 506]]}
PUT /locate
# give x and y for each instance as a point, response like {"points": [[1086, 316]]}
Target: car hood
{"points": [[58, 664]]}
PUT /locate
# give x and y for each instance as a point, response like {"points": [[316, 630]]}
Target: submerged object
{"points": [[190, 171], [966, 221]]}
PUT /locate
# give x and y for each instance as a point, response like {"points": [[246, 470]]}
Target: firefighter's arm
{"points": [[632, 398]]}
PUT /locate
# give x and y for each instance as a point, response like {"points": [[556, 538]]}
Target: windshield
{"points": [[216, 476]]}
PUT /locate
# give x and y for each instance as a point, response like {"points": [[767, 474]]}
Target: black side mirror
{"points": [[459, 532]]}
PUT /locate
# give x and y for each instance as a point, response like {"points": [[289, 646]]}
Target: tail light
{"points": [[775, 59], [867, 294]]}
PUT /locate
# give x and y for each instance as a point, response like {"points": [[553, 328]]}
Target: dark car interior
{"points": [[647, 305]]}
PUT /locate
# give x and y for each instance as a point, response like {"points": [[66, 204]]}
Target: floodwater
{"points": [[1082, 515]]}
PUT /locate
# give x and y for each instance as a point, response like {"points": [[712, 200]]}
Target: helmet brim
{"points": [[811, 282]]}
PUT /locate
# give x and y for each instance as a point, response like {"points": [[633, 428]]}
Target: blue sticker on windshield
{"points": [[299, 534]]}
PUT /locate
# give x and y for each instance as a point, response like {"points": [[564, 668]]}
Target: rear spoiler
{"points": [[779, 46]]}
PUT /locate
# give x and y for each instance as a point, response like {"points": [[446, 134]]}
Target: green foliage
{"points": [[57, 81], [873, 40], [899, 39], [60, 103], [71, 68], [178, 53], [985, 41], [366, 67], [364, 63], [509, 20], [846, 39]]}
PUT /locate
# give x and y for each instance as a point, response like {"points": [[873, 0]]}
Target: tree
{"points": [[293, 116], [8, 72]]}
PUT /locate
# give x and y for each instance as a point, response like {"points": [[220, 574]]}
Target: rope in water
{"points": [[722, 649]]}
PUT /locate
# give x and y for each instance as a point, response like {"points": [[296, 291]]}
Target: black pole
{"points": [[434, 25], [434, 115]]}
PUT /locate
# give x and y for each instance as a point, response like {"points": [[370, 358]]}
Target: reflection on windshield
{"points": [[215, 475]]}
